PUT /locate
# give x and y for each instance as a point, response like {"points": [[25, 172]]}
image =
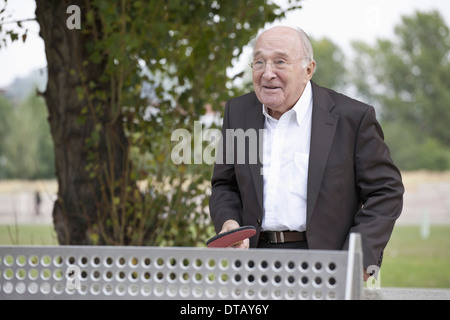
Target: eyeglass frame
{"points": [[252, 64]]}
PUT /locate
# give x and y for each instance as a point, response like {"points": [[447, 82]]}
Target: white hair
{"points": [[306, 44]]}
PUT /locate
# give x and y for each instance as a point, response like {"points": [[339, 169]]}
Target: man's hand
{"points": [[230, 225], [366, 275]]}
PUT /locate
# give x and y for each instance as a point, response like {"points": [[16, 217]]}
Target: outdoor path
{"points": [[426, 200], [18, 202]]}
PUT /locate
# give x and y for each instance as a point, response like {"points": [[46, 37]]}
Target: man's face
{"points": [[279, 77]]}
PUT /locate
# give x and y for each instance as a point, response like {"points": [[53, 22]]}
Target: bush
{"points": [[412, 150], [26, 146]]}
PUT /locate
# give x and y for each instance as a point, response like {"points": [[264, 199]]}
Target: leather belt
{"points": [[282, 236]]}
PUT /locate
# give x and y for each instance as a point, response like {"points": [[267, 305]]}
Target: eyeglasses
{"points": [[277, 64]]}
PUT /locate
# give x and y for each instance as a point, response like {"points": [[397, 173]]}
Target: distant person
{"points": [[37, 203], [325, 170]]}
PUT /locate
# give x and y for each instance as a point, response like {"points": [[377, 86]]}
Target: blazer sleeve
{"points": [[225, 202], [380, 187]]}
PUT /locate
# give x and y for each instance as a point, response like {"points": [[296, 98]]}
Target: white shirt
{"points": [[285, 166]]}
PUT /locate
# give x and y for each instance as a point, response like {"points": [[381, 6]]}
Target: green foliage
{"points": [[5, 128], [26, 147], [330, 64], [409, 78], [163, 62], [412, 150], [8, 34]]}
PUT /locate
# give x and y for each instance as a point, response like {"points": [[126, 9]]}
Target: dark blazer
{"points": [[353, 184]]}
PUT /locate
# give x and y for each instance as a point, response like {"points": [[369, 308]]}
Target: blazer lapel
{"points": [[254, 120], [323, 128]]}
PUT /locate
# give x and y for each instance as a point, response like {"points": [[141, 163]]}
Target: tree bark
{"points": [[74, 120]]}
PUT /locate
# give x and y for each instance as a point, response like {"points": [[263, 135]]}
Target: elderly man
{"points": [[325, 170]]}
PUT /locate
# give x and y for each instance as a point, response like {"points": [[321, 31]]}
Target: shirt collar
{"points": [[300, 107]]}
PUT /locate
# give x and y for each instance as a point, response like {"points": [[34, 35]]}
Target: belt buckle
{"points": [[272, 237]]}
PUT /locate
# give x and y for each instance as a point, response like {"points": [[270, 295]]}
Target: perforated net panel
{"points": [[73, 272]]}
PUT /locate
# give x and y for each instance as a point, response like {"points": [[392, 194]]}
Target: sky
{"points": [[342, 21], [345, 20]]}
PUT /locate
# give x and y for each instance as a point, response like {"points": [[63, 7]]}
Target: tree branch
{"points": [[18, 21]]}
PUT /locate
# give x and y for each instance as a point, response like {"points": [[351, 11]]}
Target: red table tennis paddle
{"points": [[228, 238]]}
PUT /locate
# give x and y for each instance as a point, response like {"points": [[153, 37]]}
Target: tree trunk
{"points": [[85, 133]]}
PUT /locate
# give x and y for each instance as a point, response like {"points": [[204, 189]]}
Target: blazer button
{"points": [[259, 222]]}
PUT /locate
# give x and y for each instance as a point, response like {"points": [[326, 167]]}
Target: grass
{"points": [[42, 235], [409, 261]]}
